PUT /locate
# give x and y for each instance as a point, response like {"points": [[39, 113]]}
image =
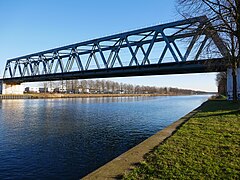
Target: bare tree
{"points": [[45, 86], [98, 85], [91, 84], [84, 85], [117, 86], [75, 86], [224, 17], [108, 86], [103, 85]]}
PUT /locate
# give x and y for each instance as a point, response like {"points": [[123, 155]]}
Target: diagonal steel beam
{"points": [[169, 46]]}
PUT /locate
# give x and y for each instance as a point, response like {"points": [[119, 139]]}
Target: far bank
{"points": [[57, 95]]}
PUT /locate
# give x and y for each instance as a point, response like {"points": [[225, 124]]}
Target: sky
{"points": [[29, 26]]}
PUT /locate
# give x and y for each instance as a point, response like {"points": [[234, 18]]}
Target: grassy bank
{"points": [[206, 147]]}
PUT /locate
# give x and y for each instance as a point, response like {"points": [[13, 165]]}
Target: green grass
{"points": [[205, 147]]}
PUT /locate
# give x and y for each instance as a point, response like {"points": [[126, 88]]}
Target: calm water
{"points": [[69, 138]]}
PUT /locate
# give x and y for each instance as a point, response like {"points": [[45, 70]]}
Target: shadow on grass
{"points": [[220, 105], [236, 113], [120, 176]]}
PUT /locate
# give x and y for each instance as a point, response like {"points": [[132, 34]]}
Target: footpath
{"points": [[205, 144]]}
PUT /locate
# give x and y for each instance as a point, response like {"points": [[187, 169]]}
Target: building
{"points": [[31, 90]]}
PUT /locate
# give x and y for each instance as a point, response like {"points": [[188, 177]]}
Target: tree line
{"points": [[108, 87]]}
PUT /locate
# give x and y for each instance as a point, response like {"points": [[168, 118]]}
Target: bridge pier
{"points": [[230, 84], [1, 86], [11, 88]]}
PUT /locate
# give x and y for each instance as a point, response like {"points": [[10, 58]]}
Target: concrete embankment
{"points": [[125, 162]]}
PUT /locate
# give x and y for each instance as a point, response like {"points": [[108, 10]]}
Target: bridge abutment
{"points": [[11, 88], [230, 84]]}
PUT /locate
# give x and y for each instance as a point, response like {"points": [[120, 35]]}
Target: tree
{"points": [[103, 82], [45, 86], [224, 17], [84, 85], [108, 86], [75, 86], [98, 85], [221, 80], [91, 84]]}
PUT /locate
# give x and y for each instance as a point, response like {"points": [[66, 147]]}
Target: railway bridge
{"points": [[186, 46]]}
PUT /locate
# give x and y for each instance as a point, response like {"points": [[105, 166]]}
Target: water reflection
{"points": [[68, 138]]}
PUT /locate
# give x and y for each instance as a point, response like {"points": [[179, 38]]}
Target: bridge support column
{"points": [[11, 88], [1, 87], [230, 84]]}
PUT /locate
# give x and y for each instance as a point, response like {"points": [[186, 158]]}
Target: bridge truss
{"points": [[171, 48]]}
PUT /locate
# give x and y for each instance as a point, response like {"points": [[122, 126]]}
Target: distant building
{"points": [[43, 90], [60, 90], [93, 91], [31, 90], [84, 90], [119, 92], [51, 90]]}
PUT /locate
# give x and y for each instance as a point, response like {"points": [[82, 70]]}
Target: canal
{"points": [[69, 138]]}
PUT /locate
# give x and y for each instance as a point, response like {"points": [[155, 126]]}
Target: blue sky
{"points": [[29, 26]]}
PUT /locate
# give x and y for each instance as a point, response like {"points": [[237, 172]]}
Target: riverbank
{"points": [[207, 146], [204, 144], [125, 162], [56, 95]]}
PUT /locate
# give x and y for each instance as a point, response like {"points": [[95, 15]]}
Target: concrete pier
{"points": [[11, 88]]}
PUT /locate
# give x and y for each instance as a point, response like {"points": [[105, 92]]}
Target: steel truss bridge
{"points": [[173, 48]]}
